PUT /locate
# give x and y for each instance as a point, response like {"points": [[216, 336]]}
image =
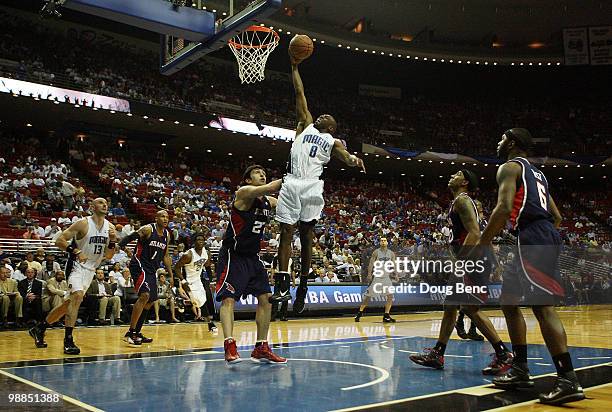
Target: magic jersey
{"points": [[310, 151]]}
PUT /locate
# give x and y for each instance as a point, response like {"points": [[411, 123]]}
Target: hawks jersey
{"points": [[93, 244], [310, 151], [150, 252], [245, 232], [458, 230], [532, 198]]}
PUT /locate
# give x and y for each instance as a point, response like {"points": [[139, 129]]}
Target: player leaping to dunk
{"points": [[301, 195]]}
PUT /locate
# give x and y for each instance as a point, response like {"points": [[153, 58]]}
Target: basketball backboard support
{"points": [[176, 53]]}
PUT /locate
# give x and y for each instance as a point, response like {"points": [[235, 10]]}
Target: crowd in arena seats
{"points": [[464, 124]]}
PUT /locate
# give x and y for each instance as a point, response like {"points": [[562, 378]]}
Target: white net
{"points": [[252, 48]]}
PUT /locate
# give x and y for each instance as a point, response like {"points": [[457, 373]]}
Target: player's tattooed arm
{"points": [[77, 230], [467, 213], [304, 117], [507, 176], [554, 210], [343, 155]]}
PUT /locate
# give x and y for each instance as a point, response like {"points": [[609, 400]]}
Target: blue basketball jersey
{"points": [[150, 252], [245, 232], [532, 197]]}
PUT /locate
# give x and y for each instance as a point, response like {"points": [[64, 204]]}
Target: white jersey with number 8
{"points": [[310, 151]]}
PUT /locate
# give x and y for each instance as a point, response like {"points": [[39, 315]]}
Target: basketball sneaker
{"points": [[358, 316], [299, 304], [516, 377], [132, 339], [499, 364], [70, 348], [281, 288], [212, 328], [461, 332], [388, 319], [474, 335], [143, 339], [430, 358], [565, 390], [263, 354], [39, 336], [231, 352]]}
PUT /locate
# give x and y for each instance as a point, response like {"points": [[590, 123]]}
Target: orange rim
{"points": [[263, 29]]}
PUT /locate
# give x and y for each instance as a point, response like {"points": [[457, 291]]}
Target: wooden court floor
{"points": [[586, 326]]}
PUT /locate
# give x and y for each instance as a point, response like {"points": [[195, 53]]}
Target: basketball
{"points": [[300, 47]]}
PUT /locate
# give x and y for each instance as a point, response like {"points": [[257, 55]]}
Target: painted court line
{"points": [[45, 389], [431, 395], [384, 373], [596, 357]]}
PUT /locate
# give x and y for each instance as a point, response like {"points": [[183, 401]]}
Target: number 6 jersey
{"points": [[246, 228], [532, 198]]}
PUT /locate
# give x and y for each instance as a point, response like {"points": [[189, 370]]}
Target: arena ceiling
{"points": [[472, 22]]}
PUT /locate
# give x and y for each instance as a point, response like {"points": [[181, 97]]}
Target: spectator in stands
{"points": [[17, 220], [118, 210], [52, 229], [166, 298], [9, 294], [100, 295], [122, 256], [55, 291], [40, 256], [6, 207], [68, 190], [31, 290], [19, 274], [331, 276], [33, 264], [38, 230], [6, 262], [123, 282], [30, 233], [64, 219], [115, 273], [50, 267], [320, 276], [78, 216]]}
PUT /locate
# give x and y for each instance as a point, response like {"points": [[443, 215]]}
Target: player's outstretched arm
{"points": [[304, 117], [506, 180], [142, 233], [246, 193], [341, 153]]}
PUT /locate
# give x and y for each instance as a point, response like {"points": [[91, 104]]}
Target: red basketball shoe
{"points": [[231, 352], [263, 354]]}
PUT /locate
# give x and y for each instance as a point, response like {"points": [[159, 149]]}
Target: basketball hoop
{"points": [[252, 48]]}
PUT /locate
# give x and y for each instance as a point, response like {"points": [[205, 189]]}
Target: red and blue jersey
{"points": [[532, 197], [246, 228], [150, 252]]}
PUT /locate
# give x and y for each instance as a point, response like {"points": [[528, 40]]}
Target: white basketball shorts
{"points": [[299, 200], [197, 294], [80, 278]]}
